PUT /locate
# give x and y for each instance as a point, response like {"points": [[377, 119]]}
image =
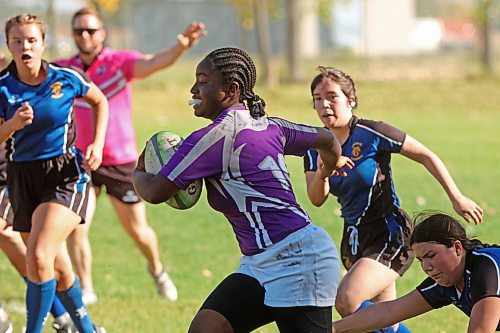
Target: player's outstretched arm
{"points": [[151, 63], [152, 188], [100, 107], [383, 314], [464, 206], [485, 315], [330, 162]]}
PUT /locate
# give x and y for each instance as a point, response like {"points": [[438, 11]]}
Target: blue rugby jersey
{"points": [[367, 193], [242, 160], [481, 277], [52, 132]]}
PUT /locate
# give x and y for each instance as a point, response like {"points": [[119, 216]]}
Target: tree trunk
{"points": [[264, 42], [486, 56], [51, 23], [293, 55]]}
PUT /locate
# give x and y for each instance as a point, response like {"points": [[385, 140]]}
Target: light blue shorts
{"points": [[303, 269]]}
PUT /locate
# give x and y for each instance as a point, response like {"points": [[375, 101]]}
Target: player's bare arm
{"points": [[464, 206], [154, 189], [383, 314], [100, 108], [151, 63], [485, 315]]}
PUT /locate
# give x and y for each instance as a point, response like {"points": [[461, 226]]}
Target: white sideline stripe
{"points": [[380, 134]]}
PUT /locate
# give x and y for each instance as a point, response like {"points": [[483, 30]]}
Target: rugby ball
{"points": [[159, 149]]}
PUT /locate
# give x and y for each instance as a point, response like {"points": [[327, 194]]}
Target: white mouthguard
{"points": [[194, 101]]}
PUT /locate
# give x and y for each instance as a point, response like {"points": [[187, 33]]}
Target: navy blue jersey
{"points": [[481, 277], [367, 193], [52, 132]]}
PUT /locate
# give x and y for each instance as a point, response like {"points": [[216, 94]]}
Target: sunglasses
{"points": [[80, 31]]}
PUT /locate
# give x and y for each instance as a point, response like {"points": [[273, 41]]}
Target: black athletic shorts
{"points": [[61, 179], [240, 299], [118, 181], [6, 212], [382, 240]]}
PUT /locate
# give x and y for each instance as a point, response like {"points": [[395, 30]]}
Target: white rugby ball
{"points": [[159, 150]]}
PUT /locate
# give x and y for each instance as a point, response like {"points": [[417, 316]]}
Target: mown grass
{"points": [[457, 118]]}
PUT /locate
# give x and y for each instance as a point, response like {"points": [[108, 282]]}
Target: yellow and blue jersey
{"points": [[52, 132], [367, 193]]}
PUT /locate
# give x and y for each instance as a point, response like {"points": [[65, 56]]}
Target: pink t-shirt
{"points": [[112, 71]]}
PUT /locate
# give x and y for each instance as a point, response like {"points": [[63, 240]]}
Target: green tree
{"points": [[292, 10], [485, 14]]}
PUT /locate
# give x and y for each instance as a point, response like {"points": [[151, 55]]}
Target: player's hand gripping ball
{"points": [[159, 149]]}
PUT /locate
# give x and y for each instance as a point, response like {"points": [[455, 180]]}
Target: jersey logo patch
{"points": [[356, 151], [57, 90], [101, 69]]}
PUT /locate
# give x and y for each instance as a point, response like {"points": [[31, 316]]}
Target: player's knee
{"points": [[208, 321], [38, 259], [346, 302]]}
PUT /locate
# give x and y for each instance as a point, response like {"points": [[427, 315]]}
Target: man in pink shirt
{"points": [[112, 71]]}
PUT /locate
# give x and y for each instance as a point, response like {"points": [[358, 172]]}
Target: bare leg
{"points": [[79, 246], [366, 280], [133, 219], [13, 246], [209, 321]]}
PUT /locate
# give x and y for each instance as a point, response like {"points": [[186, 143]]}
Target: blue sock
{"points": [[72, 300], [39, 298], [57, 308], [403, 329]]}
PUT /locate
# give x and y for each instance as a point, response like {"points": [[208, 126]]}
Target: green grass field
{"points": [[456, 118]]}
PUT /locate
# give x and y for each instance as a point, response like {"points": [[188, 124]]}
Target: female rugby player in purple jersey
{"points": [[290, 267]]}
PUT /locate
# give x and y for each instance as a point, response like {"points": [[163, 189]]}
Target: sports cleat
{"points": [[5, 324], [99, 329], [67, 327], [165, 285], [89, 297]]}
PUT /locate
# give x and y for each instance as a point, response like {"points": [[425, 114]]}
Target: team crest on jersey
{"points": [[57, 90], [13, 99], [101, 69], [356, 151]]}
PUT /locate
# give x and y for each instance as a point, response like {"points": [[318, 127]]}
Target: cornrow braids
{"points": [[235, 65]]}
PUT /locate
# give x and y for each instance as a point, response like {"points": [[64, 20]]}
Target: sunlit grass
{"points": [[457, 118]]}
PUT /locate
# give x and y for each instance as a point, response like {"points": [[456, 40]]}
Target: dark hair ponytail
{"points": [[256, 105], [441, 228]]}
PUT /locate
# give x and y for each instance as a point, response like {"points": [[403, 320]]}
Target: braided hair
{"points": [[235, 65], [441, 228]]}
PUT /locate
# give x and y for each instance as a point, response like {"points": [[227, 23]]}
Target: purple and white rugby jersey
{"points": [[242, 162]]}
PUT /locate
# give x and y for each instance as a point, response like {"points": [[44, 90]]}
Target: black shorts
{"points": [[6, 212], [118, 181], [61, 179], [240, 299], [382, 240]]}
